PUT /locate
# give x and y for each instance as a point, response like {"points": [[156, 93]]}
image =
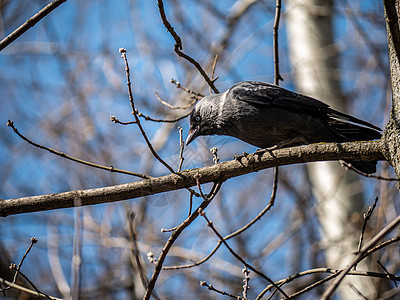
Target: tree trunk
{"points": [[392, 131], [313, 57]]}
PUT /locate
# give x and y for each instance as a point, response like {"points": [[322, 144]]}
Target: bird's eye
{"points": [[197, 119]]}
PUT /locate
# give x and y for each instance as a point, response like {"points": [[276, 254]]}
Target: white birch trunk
{"points": [[339, 193]]}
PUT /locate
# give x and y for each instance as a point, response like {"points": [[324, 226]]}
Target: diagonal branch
{"points": [[178, 47], [215, 173], [360, 256], [30, 23]]}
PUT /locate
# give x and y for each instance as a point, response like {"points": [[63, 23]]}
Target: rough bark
{"points": [[216, 173], [391, 136]]}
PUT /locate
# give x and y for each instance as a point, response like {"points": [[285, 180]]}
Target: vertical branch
{"points": [[175, 234], [76, 256], [277, 75], [182, 146], [178, 47], [135, 114]]}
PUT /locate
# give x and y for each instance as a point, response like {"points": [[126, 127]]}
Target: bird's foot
{"points": [[269, 149], [239, 157]]}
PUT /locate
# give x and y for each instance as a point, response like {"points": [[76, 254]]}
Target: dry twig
{"points": [[78, 160], [238, 257], [30, 23], [178, 47]]}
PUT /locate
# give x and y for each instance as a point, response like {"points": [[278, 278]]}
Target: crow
{"points": [[269, 117]]}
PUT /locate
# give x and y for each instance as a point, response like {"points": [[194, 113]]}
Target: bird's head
{"points": [[204, 119]]}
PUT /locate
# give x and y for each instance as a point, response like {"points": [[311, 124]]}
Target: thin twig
{"points": [[175, 107], [264, 211], [26, 290], [182, 146], [312, 286], [39, 293], [115, 120], [18, 268], [360, 255], [246, 280], [350, 166], [135, 251], [175, 234], [239, 231], [382, 245], [178, 85], [277, 76], [33, 241], [386, 271], [163, 230], [367, 216], [238, 257], [357, 291], [214, 190], [178, 46], [213, 71], [190, 203], [327, 270], [30, 23], [212, 288], [19, 272], [214, 152], [148, 118], [86, 163], [197, 263], [135, 114]]}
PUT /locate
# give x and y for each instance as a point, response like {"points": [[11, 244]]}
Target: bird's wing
{"points": [[265, 94]]}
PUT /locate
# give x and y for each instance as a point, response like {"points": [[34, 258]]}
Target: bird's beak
{"points": [[193, 134]]}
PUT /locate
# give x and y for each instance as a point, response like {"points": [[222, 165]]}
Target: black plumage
{"points": [[266, 115]]}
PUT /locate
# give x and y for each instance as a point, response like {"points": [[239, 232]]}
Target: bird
{"points": [[270, 117]]}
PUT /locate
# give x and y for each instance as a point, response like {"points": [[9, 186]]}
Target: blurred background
{"points": [[62, 80]]}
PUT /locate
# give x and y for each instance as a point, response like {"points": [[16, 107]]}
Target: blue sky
{"points": [[64, 78]]}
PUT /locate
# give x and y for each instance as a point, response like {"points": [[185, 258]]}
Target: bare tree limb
{"points": [[334, 272], [215, 173], [392, 21], [75, 159], [174, 235], [26, 290], [30, 23], [178, 47], [277, 75], [238, 257]]}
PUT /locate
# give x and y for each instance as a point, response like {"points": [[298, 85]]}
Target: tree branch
{"points": [[360, 256], [30, 23], [215, 173]]}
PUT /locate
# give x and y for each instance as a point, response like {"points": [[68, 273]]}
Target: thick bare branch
{"points": [[215, 173]]}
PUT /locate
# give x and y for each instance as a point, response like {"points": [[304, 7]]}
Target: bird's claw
{"points": [[240, 157]]}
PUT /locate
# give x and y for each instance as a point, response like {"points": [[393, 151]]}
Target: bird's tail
{"points": [[350, 132], [354, 132]]}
